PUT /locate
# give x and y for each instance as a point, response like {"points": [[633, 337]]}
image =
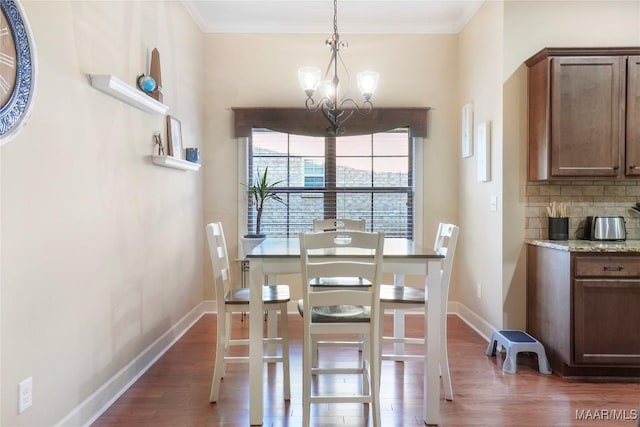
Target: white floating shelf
{"points": [[115, 87], [175, 163]]}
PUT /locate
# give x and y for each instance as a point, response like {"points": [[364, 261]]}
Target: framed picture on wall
{"points": [[174, 137], [467, 130]]}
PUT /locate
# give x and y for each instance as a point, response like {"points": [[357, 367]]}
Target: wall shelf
{"points": [[115, 87], [175, 163]]}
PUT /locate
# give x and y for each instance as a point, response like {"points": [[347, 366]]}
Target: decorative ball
{"points": [[146, 83]]}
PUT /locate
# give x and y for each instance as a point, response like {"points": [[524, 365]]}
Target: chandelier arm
{"points": [[348, 79], [333, 128], [329, 96], [344, 117], [321, 105], [364, 109]]}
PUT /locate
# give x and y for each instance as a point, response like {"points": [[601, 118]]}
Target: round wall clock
{"points": [[17, 69]]}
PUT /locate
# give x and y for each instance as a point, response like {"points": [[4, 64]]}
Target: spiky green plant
{"points": [[261, 191]]}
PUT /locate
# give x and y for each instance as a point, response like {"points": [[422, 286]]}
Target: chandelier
{"points": [[336, 107]]}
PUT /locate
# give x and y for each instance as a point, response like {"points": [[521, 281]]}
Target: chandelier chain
{"points": [[335, 16]]}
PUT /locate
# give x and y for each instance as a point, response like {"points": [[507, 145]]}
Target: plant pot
{"points": [[249, 242]]}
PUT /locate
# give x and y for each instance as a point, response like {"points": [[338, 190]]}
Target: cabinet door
{"points": [[606, 319], [587, 96], [633, 116]]}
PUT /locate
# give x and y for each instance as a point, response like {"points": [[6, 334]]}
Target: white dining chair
{"points": [[405, 297], [230, 298], [333, 224], [334, 312]]}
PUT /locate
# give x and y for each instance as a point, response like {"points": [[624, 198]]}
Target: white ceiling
{"points": [[316, 16]]}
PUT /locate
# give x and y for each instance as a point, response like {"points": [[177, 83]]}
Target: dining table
{"points": [[277, 256]]}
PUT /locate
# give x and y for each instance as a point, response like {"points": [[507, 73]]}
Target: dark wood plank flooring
{"points": [[175, 390]]}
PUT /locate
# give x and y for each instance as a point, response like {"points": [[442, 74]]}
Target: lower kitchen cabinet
{"points": [[585, 309]]}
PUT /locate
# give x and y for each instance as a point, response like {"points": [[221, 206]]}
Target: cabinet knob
{"points": [[616, 167], [632, 166]]}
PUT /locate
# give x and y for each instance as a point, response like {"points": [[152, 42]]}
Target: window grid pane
{"points": [[375, 187]]}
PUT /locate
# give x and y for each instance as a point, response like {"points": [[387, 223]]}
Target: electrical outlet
{"points": [[479, 290], [25, 394]]}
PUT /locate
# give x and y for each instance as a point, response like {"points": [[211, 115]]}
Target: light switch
{"points": [[493, 204]]}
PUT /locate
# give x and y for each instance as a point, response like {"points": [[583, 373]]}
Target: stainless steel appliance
{"points": [[605, 228]]}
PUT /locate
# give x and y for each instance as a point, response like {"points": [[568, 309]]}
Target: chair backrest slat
{"points": [[338, 224], [445, 244], [219, 260]]}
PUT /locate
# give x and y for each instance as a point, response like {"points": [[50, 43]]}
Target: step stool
{"points": [[515, 342]]}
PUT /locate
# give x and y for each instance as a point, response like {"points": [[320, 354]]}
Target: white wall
{"points": [[101, 250]]}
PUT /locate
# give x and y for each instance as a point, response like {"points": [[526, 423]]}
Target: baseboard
{"points": [[96, 404], [468, 316], [475, 322]]}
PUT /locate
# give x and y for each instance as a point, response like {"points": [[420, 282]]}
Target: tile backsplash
{"points": [[583, 198]]}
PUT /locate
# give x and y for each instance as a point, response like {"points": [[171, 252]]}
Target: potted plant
{"points": [[261, 191]]}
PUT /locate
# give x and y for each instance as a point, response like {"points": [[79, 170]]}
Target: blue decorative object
{"points": [[193, 154], [14, 108], [146, 83]]}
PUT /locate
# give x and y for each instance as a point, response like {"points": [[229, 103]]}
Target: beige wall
{"points": [[101, 250], [479, 253], [250, 70]]}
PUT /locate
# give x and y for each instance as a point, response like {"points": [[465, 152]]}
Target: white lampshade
{"points": [[309, 78], [367, 83]]}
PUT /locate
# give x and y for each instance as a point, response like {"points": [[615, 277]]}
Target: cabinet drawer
{"points": [[607, 266]]}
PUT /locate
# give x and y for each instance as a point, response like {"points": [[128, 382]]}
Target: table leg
{"points": [[255, 345], [431, 405], [272, 319], [398, 319]]}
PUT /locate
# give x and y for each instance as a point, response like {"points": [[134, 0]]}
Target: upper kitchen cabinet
{"points": [[579, 102], [633, 116]]}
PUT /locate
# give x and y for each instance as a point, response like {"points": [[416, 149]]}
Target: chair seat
{"points": [[340, 281], [270, 295], [338, 313], [401, 294]]}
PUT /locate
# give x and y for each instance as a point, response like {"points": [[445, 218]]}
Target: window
{"points": [[368, 177], [313, 173]]}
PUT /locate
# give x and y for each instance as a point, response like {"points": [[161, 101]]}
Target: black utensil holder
{"points": [[558, 228]]}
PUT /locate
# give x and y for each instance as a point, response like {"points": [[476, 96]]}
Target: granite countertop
{"points": [[587, 245]]}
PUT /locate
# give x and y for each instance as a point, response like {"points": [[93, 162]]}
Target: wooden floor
{"points": [[175, 391]]}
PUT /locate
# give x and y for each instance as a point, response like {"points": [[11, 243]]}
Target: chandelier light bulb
{"points": [[309, 78], [367, 83]]}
